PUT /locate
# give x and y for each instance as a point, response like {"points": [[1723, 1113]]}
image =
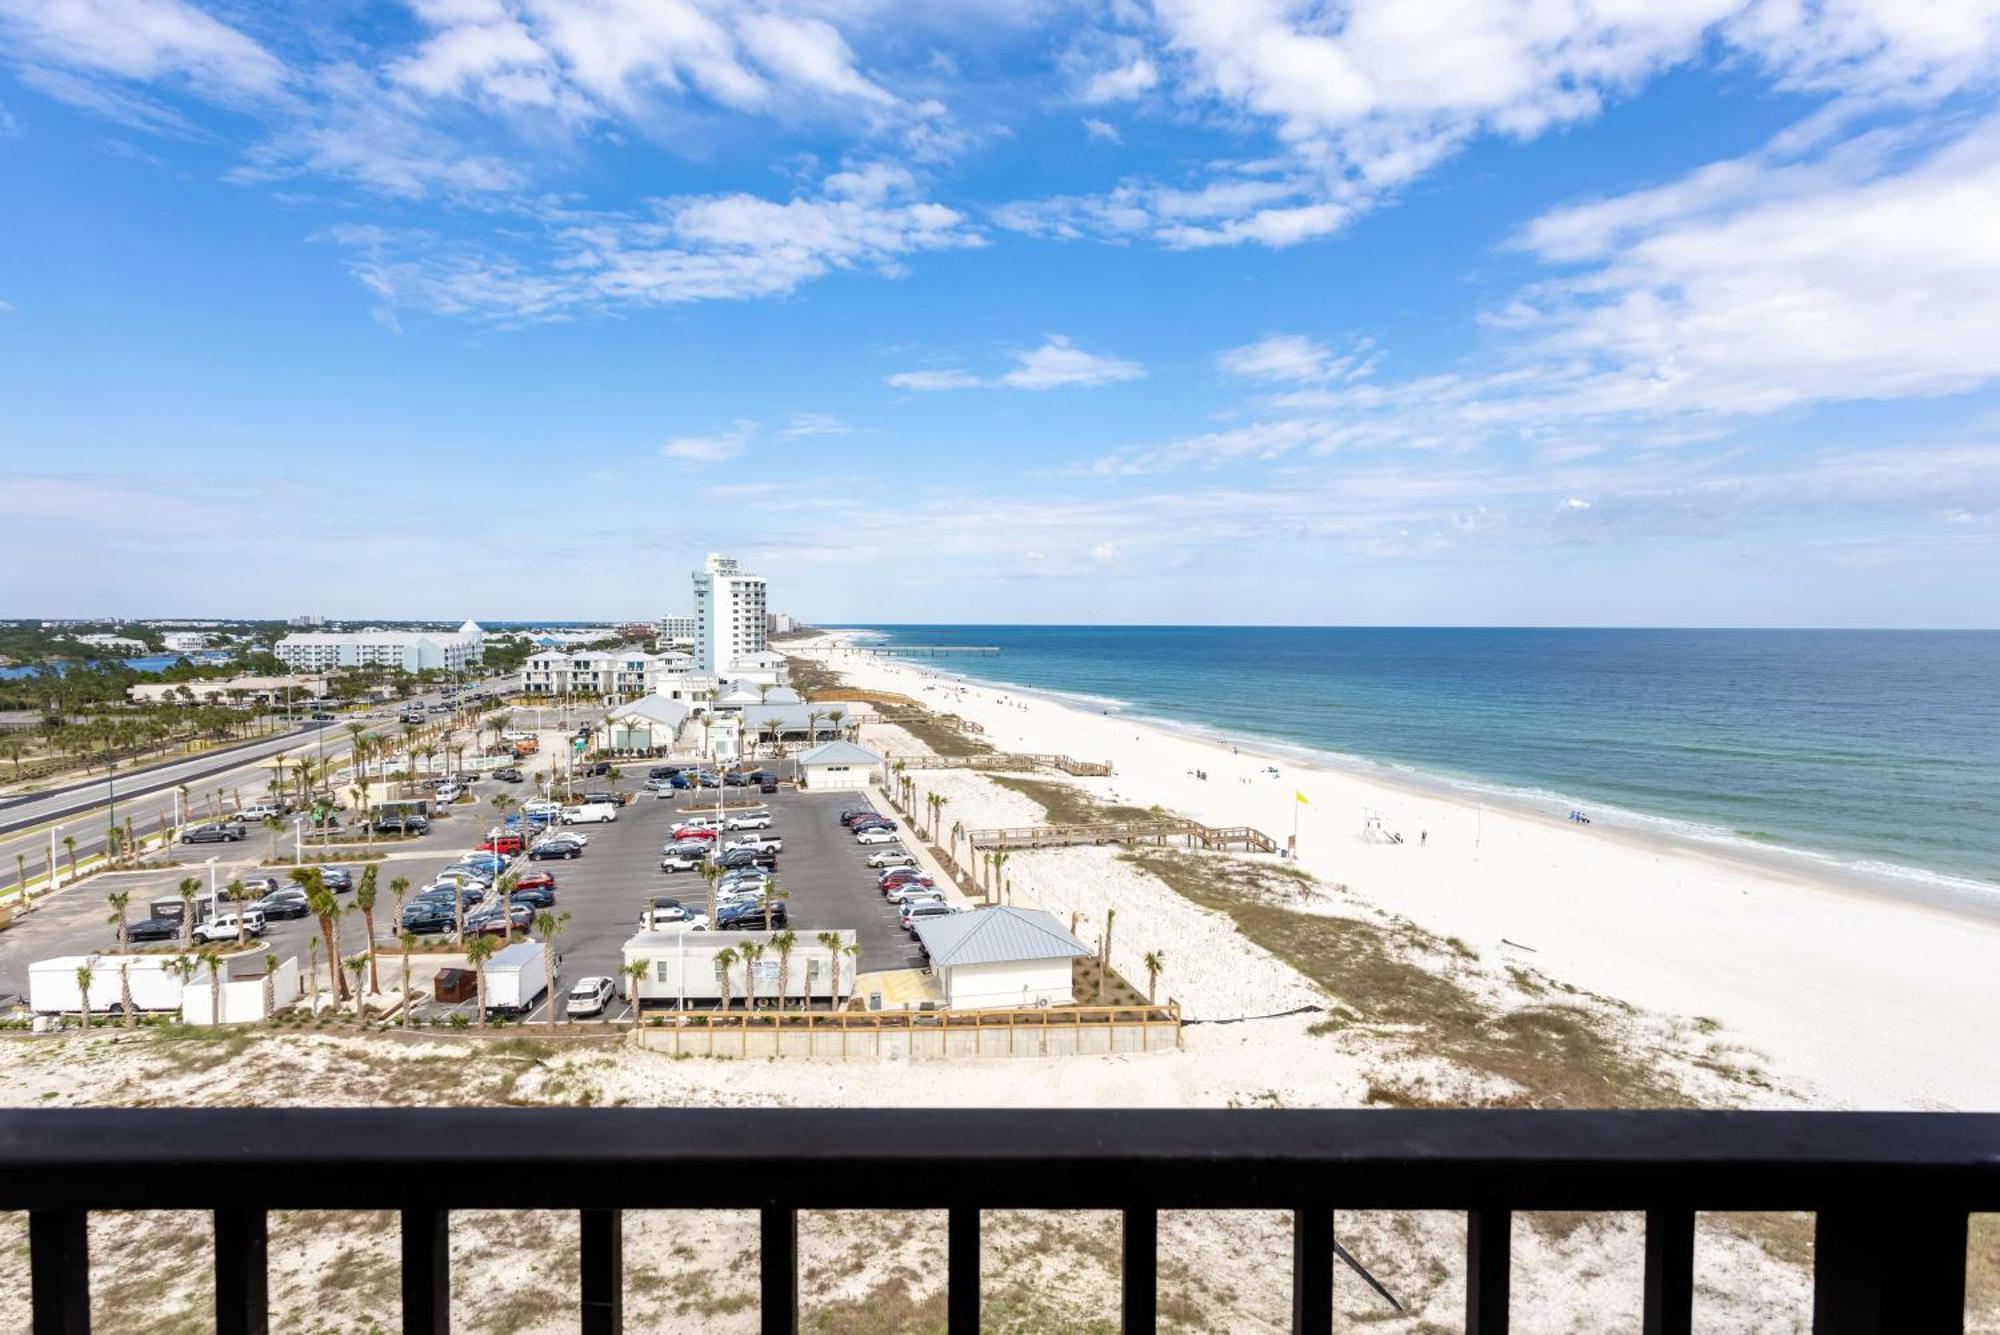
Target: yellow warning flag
{"points": [[1302, 798]]}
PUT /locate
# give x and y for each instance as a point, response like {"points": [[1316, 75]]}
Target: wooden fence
{"points": [[1006, 760], [1052, 1031], [1163, 831]]}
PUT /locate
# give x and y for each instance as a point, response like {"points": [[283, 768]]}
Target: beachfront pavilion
{"points": [[1002, 956], [837, 765], [645, 726]]}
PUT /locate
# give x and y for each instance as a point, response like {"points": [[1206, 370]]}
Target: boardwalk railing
{"points": [[1163, 831], [1892, 1191], [1006, 760]]}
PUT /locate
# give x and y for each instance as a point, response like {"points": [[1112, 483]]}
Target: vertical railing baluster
{"points": [[779, 1270], [962, 1270], [603, 1271], [426, 1272], [1141, 1269], [1669, 1272], [242, 1272], [1312, 1270], [59, 1271], [1489, 1264], [1889, 1267]]}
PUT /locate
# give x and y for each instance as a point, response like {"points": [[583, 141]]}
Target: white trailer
{"points": [[681, 970], [53, 988], [516, 978]]}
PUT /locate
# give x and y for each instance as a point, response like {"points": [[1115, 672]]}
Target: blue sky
{"points": [[1205, 310]]}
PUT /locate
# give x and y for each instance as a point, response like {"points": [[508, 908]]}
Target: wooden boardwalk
{"points": [[1006, 760], [1162, 831]]}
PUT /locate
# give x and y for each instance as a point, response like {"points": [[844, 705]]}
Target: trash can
{"points": [[454, 985]]}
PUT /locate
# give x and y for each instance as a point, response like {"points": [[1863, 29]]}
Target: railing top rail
{"points": [[996, 1158]]}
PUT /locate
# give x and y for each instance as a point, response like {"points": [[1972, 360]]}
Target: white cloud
{"points": [[686, 249], [1104, 552], [1103, 132], [1291, 358], [1058, 364], [803, 425], [143, 40], [1121, 84], [929, 381], [694, 451]]}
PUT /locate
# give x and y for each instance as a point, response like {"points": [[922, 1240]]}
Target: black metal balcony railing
{"points": [[1892, 1191]]}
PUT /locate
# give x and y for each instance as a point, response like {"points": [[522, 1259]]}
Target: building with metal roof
{"points": [[1002, 956]]}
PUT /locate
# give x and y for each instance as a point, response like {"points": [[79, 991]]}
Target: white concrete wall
{"points": [[678, 957], [1025, 983], [827, 778]]}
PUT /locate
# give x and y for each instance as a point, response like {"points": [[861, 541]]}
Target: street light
{"points": [[298, 841], [214, 902], [54, 830]]}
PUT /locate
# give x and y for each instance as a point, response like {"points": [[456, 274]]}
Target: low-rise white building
{"points": [[1001, 956], [605, 673], [641, 727], [681, 969], [410, 650], [235, 690], [186, 641], [837, 765]]}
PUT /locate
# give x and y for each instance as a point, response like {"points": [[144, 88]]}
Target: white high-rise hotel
{"points": [[728, 615]]}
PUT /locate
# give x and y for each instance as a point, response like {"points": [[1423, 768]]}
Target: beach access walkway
{"points": [[1163, 830], [1006, 761]]}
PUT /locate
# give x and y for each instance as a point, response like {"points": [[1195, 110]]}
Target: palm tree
{"points": [[477, 951], [274, 826], [1155, 962], [548, 926], [830, 940], [767, 900], [358, 966], [751, 951], [187, 889], [634, 973], [323, 906], [951, 851], [1104, 953], [725, 960], [83, 992], [364, 900], [235, 892], [69, 847], [312, 972], [711, 874], [999, 873], [270, 987], [125, 993], [784, 943], [408, 940], [119, 900], [213, 959]]}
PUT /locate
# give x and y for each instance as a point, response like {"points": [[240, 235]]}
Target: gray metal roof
{"points": [[840, 753], [999, 935], [654, 707]]}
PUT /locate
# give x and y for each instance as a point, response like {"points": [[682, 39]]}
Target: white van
{"points": [[590, 813]]}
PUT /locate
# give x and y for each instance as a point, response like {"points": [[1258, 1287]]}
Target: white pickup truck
{"points": [[760, 843], [750, 820], [590, 813]]}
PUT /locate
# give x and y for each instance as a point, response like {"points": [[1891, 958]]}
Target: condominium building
{"points": [[410, 650], [607, 674], [728, 615], [677, 630]]}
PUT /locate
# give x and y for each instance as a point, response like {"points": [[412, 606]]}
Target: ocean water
{"points": [[1879, 750]]}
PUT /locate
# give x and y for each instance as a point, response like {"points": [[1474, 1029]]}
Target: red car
{"points": [[506, 845], [536, 880], [691, 832]]}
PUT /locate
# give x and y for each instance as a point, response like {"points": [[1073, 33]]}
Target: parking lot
{"points": [[822, 871]]}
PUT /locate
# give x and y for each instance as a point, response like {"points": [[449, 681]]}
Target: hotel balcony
{"points": [[1891, 1192]]}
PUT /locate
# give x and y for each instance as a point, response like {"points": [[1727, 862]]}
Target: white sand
{"points": [[1855, 999]]}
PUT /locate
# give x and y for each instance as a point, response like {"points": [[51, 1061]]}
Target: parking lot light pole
{"points": [[214, 902], [298, 841], [54, 830]]}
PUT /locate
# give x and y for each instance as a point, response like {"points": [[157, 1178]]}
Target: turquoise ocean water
{"points": [[1877, 752]]}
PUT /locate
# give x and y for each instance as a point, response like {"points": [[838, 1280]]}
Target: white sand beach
{"points": [[1850, 998]]}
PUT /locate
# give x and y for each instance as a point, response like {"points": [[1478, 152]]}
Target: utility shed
{"points": [[1001, 957], [839, 765]]}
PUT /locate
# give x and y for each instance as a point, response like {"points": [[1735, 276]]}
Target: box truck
{"points": [[53, 989], [516, 977]]}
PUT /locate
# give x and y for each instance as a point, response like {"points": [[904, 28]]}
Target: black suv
{"points": [[747, 857], [750, 917], [402, 825], [153, 929]]}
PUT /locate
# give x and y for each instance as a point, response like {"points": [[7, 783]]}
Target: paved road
{"points": [[25, 827]]}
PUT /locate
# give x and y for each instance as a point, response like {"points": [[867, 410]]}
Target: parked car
{"points": [[402, 825], [589, 997], [283, 904], [768, 786], [871, 823], [507, 845], [663, 771], [492, 922], [542, 806], [212, 834], [539, 898], [554, 848], [536, 880], [590, 813], [510, 775], [595, 769], [427, 920], [261, 811], [694, 833], [875, 836], [266, 885], [747, 857], [853, 814], [225, 926], [887, 886], [772, 842], [153, 929], [485, 858], [910, 892], [892, 857], [675, 859], [749, 917], [337, 879], [735, 780], [754, 820], [923, 911]]}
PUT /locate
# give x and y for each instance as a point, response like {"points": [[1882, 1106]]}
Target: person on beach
{"points": [[1423, 837]]}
